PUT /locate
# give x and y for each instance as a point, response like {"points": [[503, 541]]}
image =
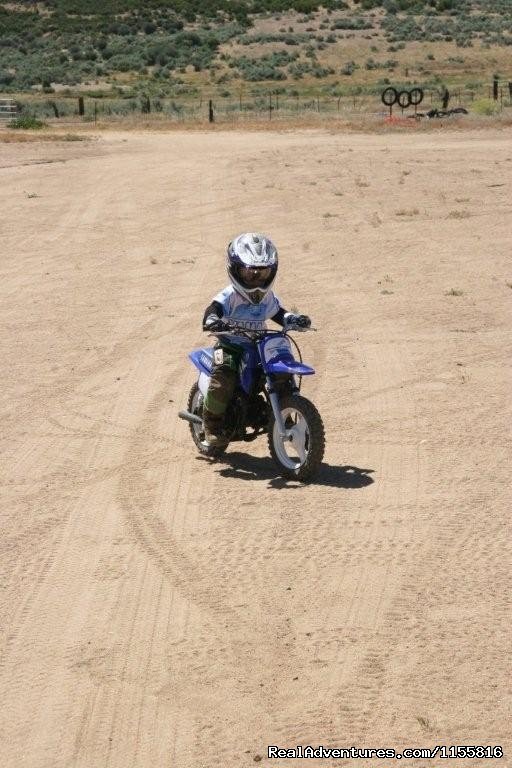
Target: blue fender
{"points": [[287, 364], [203, 359]]}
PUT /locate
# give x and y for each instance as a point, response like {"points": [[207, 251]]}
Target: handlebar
{"points": [[253, 334]]}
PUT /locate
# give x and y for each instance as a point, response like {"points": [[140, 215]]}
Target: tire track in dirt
{"points": [[200, 579], [20, 463], [60, 483], [209, 585], [28, 619], [355, 654], [130, 691], [158, 543], [76, 533]]}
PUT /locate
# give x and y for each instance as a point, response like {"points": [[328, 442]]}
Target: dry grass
{"points": [[459, 215], [409, 212], [454, 292], [24, 137], [345, 122]]}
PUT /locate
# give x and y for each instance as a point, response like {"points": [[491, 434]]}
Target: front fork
{"points": [[274, 402]]}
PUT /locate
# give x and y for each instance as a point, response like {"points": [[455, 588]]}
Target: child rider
{"points": [[248, 302]]}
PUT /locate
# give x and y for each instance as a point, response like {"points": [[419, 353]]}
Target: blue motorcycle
{"points": [[267, 400]]}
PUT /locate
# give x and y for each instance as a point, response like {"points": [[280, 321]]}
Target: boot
{"points": [[215, 440], [213, 430]]}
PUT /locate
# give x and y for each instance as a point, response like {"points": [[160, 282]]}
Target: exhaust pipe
{"points": [[190, 417]]}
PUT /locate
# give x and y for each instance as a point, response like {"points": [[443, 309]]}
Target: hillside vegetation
{"points": [[182, 47]]}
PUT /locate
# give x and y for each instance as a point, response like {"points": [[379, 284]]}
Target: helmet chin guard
{"points": [[252, 263]]}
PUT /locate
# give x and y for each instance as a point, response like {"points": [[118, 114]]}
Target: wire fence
{"points": [[271, 105]]}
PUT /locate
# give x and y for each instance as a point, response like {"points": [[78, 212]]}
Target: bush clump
{"points": [[264, 68], [27, 123], [486, 107], [348, 68]]}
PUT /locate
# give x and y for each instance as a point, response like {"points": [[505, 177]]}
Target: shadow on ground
{"points": [[241, 466]]}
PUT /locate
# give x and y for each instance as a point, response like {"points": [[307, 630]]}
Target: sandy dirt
{"points": [[161, 611]]}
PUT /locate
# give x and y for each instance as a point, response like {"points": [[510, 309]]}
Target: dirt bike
{"points": [[267, 400]]}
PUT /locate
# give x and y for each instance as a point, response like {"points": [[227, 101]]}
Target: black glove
{"points": [[301, 321], [214, 324]]}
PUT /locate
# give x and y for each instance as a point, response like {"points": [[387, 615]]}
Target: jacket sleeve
{"points": [[279, 316], [214, 309]]}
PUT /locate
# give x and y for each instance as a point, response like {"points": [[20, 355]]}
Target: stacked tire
{"points": [[404, 99]]}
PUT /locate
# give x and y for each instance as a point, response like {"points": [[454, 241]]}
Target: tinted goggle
{"points": [[255, 276]]}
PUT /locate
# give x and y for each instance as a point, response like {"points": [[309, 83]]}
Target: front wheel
{"points": [[300, 453]]}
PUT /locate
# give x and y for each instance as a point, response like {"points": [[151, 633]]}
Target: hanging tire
{"points": [[389, 96], [416, 96], [403, 99], [195, 405], [300, 455]]}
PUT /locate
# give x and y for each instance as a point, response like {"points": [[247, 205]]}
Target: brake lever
{"points": [[300, 328]]}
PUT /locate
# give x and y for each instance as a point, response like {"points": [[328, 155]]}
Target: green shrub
{"points": [[77, 39], [264, 68], [348, 68], [487, 107], [27, 123]]}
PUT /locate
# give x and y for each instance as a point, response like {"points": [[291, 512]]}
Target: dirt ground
{"points": [[161, 611]]}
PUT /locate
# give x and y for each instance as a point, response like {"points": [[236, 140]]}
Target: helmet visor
{"points": [[255, 277]]}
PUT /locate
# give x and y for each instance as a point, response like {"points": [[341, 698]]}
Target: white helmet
{"points": [[252, 265]]}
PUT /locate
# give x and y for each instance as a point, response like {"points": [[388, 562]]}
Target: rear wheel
{"points": [[300, 453], [195, 405]]}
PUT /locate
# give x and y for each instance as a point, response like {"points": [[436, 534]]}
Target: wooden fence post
{"points": [[81, 110], [495, 89], [211, 118]]}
